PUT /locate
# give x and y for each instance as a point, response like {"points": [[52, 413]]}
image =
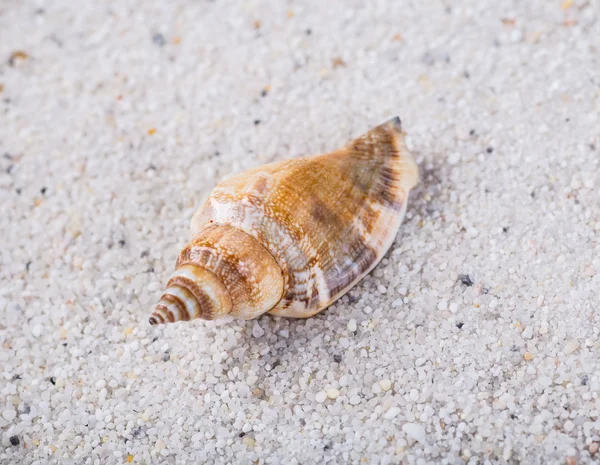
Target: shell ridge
{"points": [[366, 239]]}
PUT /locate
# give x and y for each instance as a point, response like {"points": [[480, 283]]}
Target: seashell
{"points": [[291, 237]]}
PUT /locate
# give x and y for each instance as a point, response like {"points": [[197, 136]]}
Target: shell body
{"points": [[312, 227]]}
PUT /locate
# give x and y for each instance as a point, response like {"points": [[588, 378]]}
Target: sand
{"points": [[475, 341]]}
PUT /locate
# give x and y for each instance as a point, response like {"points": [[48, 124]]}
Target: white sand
{"points": [[501, 101]]}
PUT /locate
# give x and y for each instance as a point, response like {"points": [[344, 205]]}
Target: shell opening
{"points": [[192, 292]]}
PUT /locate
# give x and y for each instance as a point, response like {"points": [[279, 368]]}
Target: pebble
{"points": [[284, 333], [569, 426], [257, 331], [159, 445], [9, 415], [466, 279], [590, 271], [333, 393], [352, 325], [385, 385], [159, 39], [392, 413], [528, 333], [320, 397], [593, 447], [355, 400], [415, 431], [571, 347]]}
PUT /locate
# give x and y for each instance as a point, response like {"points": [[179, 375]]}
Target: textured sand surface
{"points": [[476, 341]]}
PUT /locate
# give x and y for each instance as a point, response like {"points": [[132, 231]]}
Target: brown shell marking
{"points": [[326, 220], [221, 271], [248, 271]]}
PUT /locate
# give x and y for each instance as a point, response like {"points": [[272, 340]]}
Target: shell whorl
{"points": [[221, 271], [315, 225], [192, 292]]}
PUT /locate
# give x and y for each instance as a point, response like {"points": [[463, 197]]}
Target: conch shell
{"points": [[291, 237]]}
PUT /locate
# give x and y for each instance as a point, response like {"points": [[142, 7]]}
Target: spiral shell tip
{"points": [[396, 122]]}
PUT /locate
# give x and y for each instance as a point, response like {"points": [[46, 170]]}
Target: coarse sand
{"points": [[475, 341]]}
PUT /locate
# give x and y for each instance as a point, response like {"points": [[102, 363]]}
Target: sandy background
{"points": [[476, 339]]}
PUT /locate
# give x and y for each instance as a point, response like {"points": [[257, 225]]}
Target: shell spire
{"points": [[291, 237]]}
